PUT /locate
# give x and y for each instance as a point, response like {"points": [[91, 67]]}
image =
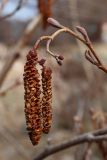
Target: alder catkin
{"points": [[45, 8], [46, 99], [32, 98]]}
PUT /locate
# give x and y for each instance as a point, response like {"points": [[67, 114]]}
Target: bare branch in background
{"points": [[13, 12], [12, 55], [95, 136]]}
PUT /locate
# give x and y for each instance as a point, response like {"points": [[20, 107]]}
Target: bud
{"points": [[54, 23], [83, 32], [42, 62], [60, 57], [59, 62]]}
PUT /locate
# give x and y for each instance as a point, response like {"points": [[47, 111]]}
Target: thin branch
{"points": [[90, 55], [18, 7], [95, 136]]}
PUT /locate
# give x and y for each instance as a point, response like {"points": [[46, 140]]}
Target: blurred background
{"points": [[79, 88]]}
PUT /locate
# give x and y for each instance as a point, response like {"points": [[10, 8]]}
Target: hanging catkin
{"points": [[32, 98], [47, 98], [45, 8]]}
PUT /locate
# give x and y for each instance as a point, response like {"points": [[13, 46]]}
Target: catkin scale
{"points": [[32, 98], [47, 98]]}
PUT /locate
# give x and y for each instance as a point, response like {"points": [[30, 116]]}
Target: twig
{"points": [[90, 54], [95, 136], [18, 7]]}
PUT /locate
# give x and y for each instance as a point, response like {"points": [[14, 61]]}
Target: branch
{"points": [[90, 54], [95, 136], [18, 7]]}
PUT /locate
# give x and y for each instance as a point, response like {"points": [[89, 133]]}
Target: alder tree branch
{"points": [[90, 53], [95, 136]]}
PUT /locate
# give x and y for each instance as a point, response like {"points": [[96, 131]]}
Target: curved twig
{"points": [[91, 55]]}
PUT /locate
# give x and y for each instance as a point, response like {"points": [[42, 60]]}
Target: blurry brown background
{"points": [[78, 87]]}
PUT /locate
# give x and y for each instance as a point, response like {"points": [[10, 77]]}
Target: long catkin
{"points": [[47, 98], [45, 8], [32, 98]]}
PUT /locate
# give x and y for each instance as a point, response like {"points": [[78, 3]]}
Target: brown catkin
{"points": [[47, 98], [45, 8], [32, 98]]}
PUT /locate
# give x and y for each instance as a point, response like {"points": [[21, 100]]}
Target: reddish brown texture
{"points": [[47, 98], [45, 9], [32, 98]]}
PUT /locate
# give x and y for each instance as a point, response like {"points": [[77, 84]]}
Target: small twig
{"points": [[95, 136], [90, 54], [90, 57], [18, 7]]}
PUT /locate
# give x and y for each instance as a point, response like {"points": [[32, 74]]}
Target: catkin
{"points": [[32, 98], [44, 7], [46, 99]]}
